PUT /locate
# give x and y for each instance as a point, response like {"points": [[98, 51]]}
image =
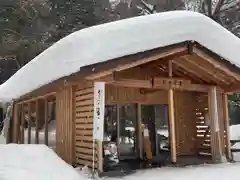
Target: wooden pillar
{"points": [[226, 126], [172, 119], [16, 123], [46, 121], [29, 122], [140, 131], [37, 123], [22, 124], [11, 128], [216, 147]]}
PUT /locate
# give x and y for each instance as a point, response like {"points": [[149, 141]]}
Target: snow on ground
{"points": [[206, 172], [98, 44], [33, 162], [235, 132], [38, 162]]}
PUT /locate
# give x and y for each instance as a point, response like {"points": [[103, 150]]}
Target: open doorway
{"points": [[155, 119]]}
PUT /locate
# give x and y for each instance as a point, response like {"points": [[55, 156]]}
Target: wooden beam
{"points": [[46, 121], [38, 97], [211, 73], [156, 83], [234, 88], [190, 71], [132, 83], [226, 126], [139, 62], [216, 147], [172, 119], [215, 64], [170, 82]]}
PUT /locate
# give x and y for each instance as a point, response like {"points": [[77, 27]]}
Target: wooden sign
{"points": [[99, 107], [170, 82]]}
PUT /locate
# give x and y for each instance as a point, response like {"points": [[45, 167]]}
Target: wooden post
{"points": [[226, 126], [29, 123], [216, 147], [46, 121], [16, 124], [22, 123], [100, 156], [140, 131], [37, 123], [172, 119], [11, 128]]}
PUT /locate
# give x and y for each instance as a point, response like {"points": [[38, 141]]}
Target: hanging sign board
{"points": [[99, 109]]}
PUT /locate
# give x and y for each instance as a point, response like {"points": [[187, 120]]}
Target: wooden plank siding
{"points": [[203, 135], [84, 102], [64, 124]]}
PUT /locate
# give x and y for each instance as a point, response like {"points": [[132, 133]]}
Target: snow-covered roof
{"points": [[116, 39]]}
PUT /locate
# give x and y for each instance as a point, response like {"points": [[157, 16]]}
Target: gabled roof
{"points": [[117, 39]]}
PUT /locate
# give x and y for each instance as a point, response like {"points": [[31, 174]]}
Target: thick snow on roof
{"points": [[33, 162], [116, 39]]}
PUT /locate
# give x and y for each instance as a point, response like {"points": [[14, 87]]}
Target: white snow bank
{"points": [[206, 172], [2, 139], [33, 162], [235, 132], [116, 39]]}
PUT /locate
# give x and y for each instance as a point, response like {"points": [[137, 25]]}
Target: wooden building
{"points": [[183, 85]]}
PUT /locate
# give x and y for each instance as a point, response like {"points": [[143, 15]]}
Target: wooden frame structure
{"points": [[189, 78]]}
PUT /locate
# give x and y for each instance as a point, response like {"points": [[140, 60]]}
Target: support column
{"points": [[37, 122], [216, 147], [16, 123], [29, 112], [172, 119], [46, 121], [226, 127], [22, 124]]}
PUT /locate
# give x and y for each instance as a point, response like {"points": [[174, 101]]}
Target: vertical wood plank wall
{"points": [[185, 113], [64, 124], [84, 102]]}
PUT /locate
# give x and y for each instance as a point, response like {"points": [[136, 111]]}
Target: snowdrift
{"points": [[33, 162], [235, 132], [120, 38]]}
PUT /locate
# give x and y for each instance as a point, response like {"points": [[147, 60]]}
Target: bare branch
{"points": [[217, 8]]}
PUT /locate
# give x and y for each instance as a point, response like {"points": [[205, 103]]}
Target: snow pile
{"points": [[33, 162], [235, 132], [235, 135], [2, 139], [112, 40]]}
